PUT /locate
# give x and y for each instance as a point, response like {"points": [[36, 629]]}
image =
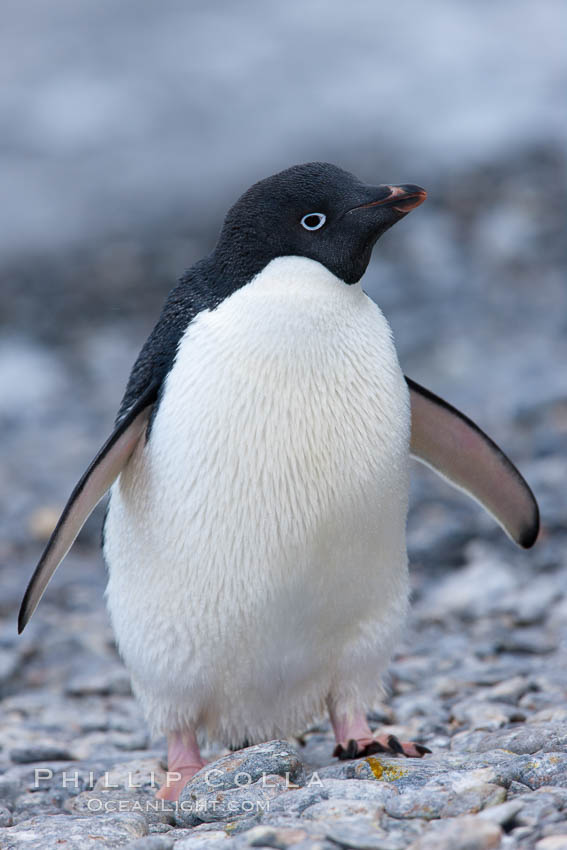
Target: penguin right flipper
{"points": [[93, 484], [455, 447]]}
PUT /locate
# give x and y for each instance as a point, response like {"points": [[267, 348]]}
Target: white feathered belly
{"points": [[256, 542]]}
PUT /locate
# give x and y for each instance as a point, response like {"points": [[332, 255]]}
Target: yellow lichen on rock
{"points": [[384, 772]]}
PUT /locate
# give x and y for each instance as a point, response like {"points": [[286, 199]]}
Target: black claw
{"points": [[371, 749], [394, 744], [342, 753], [421, 749], [352, 750]]}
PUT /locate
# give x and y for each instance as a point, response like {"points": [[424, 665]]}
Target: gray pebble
{"points": [[151, 842], [362, 834], [504, 814], [464, 833], [38, 753], [485, 715], [207, 841], [5, 817], [337, 809]]}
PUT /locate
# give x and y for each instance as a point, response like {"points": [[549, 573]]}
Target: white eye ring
{"points": [[321, 219]]}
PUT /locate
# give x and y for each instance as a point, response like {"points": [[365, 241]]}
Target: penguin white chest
{"points": [[259, 534]]}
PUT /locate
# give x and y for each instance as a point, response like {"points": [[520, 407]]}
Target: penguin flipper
{"points": [[93, 484], [449, 442]]}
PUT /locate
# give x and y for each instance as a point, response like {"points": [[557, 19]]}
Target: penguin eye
{"points": [[313, 221]]}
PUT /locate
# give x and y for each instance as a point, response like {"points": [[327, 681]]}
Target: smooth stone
{"points": [[246, 766], [526, 739], [504, 814], [151, 842], [463, 833], [228, 804], [485, 715], [362, 834], [277, 837], [544, 805], [336, 809], [553, 842], [9, 788], [74, 832], [102, 682], [209, 841], [40, 752], [6, 818], [9, 664], [509, 690]]}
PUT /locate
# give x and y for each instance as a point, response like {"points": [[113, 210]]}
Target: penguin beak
{"points": [[402, 199]]}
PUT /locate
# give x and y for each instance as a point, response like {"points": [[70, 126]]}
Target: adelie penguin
{"points": [[259, 473]]}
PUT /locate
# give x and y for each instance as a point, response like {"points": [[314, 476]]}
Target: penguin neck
{"points": [[222, 273], [301, 281], [231, 266]]}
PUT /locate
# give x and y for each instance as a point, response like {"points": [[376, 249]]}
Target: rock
{"points": [[528, 641], [544, 805], [243, 767], [504, 814], [277, 837], [108, 680], [43, 520], [553, 842], [126, 787], [356, 769], [9, 663], [446, 798], [10, 787], [252, 800], [528, 738], [337, 809], [510, 690], [464, 833], [208, 841], [240, 783], [5, 817], [485, 715], [75, 833], [40, 752], [362, 834], [151, 842], [546, 769], [483, 586]]}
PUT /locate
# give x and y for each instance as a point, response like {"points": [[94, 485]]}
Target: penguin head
{"points": [[315, 210]]}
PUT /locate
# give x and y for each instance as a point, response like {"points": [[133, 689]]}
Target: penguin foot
{"points": [[355, 739], [183, 762], [176, 782], [388, 744]]}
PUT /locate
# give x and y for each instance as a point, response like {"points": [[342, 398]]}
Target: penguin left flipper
{"points": [[98, 478], [449, 442]]}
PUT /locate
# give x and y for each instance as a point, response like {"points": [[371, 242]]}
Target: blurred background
{"points": [[128, 129]]}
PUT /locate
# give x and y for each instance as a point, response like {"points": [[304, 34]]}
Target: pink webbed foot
{"points": [[355, 739], [183, 762]]}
